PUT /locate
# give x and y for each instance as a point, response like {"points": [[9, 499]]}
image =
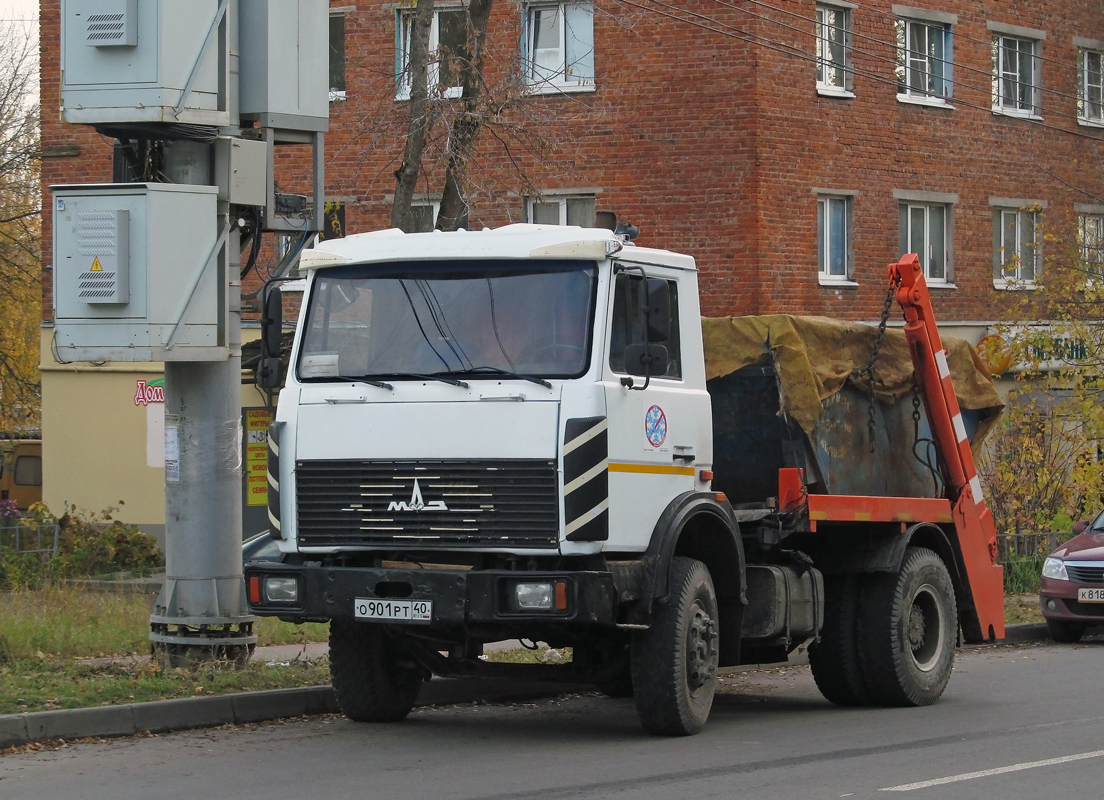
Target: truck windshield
{"points": [[478, 319]]}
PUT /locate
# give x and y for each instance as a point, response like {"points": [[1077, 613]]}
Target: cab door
{"points": [[654, 423]]}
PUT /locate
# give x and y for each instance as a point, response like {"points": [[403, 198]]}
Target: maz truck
{"points": [[521, 433]]}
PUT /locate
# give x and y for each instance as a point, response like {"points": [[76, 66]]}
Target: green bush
{"points": [[88, 544], [1023, 574]]}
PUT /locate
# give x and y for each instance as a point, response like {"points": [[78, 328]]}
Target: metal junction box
{"points": [[285, 63], [139, 273], [127, 61]]}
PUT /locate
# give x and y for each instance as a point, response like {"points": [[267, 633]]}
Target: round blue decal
{"points": [[655, 426]]}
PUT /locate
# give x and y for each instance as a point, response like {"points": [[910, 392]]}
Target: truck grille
{"points": [[411, 504]]}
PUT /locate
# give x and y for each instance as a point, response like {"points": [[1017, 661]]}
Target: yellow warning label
{"points": [[96, 265]]}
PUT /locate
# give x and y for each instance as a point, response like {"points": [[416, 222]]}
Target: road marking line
{"points": [[985, 773]]}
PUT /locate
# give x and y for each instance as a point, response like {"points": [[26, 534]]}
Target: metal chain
{"points": [[868, 370]]}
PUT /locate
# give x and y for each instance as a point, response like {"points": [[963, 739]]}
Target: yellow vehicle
{"points": [[21, 472]]}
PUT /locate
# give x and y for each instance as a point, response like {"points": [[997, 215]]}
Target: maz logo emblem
{"points": [[417, 503]]}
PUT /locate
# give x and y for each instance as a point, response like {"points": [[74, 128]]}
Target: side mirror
{"points": [[657, 312], [272, 323], [1080, 527], [646, 360], [270, 372]]}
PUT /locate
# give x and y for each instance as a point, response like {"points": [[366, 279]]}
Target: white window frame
{"points": [[433, 205], [938, 68], [403, 22], [338, 95], [1090, 241], [560, 200], [1020, 220], [571, 77], [1090, 87], [928, 243], [827, 234], [840, 83], [1006, 73]]}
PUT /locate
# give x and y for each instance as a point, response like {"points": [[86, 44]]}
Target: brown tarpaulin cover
{"points": [[816, 356]]}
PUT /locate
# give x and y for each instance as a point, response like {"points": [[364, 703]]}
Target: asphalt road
{"points": [[770, 736]]}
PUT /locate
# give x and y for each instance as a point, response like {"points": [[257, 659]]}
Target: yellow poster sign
{"points": [[257, 421]]}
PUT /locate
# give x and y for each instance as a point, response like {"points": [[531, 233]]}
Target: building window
{"points": [[566, 210], [924, 57], [423, 216], [924, 230], [558, 46], [1090, 236], [337, 57], [448, 52], [834, 250], [1016, 75], [1090, 89], [833, 49], [1016, 257]]}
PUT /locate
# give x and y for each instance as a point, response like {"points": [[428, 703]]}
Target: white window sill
{"points": [[1015, 286], [834, 91], [560, 88], [930, 102], [451, 93], [941, 285], [1016, 113], [837, 283], [337, 97], [1090, 123]]}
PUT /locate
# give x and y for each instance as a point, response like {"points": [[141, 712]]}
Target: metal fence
{"points": [[40, 539], [1026, 545]]}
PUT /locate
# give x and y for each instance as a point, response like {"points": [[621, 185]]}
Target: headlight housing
{"points": [[281, 589], [1055, 569]]}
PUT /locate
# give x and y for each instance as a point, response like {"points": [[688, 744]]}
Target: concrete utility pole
{"points": [[148, 269]]}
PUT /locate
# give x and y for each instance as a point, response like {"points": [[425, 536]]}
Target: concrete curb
{"points": [[162, 716]]}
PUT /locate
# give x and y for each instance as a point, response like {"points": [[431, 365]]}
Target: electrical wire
{"points": [[799, 53]]}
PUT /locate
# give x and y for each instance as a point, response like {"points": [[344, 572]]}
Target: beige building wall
{"points": [[101, 448]]}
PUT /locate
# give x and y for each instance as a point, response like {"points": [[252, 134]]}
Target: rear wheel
{"points": [[674, 662], [1065, 632], [907, 628], [835, 658], [372, 677]]}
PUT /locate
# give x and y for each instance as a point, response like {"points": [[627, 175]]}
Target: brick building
{"points": [[794, 147]]}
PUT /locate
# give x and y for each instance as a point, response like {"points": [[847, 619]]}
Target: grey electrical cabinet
{"points": [[285, 79], [127, 61], [140, 273]]}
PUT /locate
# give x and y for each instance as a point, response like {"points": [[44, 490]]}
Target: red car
{"points": [[1072, 592]]}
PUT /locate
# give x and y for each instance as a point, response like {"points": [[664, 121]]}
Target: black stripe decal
{"points": [[586, 480]]}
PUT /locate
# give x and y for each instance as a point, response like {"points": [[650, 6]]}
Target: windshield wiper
{"points": [[368, 381], [433, 377], [507, 374]]}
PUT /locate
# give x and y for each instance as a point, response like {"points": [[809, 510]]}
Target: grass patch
{"points": [[1020, 609], [43, 684], [523, 655], [1023, 574], [65, 622]]}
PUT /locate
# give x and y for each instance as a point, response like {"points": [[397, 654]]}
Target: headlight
{"points": [[533, 596], [1055, 568], [281, 589]]}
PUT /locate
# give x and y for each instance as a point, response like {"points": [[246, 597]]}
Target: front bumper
{"points": [[1058, 601], [459, 597]]}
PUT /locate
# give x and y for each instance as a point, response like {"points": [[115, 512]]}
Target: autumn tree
{"points": [[20, 232], [1045, 461]]}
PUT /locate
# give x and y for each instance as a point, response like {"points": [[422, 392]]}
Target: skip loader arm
{"points": [[973, 522]]}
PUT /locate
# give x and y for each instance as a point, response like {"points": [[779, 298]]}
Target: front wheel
{"points": [[372, 678], [1065, 632], [907, 629], [674, 662]]}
